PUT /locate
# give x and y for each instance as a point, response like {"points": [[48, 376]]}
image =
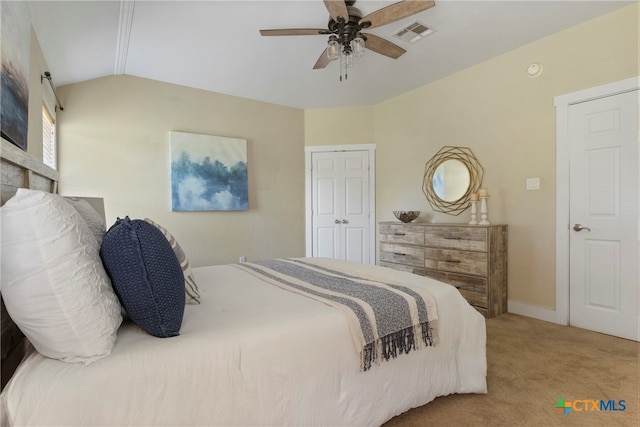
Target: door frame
{"points": [[562, 104], [308, 151]]}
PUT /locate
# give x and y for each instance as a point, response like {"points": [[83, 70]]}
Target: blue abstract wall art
{"points": [[15, 48], [208, 173]]}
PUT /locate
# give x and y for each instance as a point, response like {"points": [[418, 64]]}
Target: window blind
{"points": [[49, 149]]}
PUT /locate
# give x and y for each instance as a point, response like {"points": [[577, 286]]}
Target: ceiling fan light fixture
{"points": [[333, 48], [358, 46]]}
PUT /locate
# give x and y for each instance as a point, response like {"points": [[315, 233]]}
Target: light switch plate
{"points": [[533, 183]]}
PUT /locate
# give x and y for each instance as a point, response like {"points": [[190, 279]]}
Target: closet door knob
{"points": [[579, 227], [344, 221], [337, 221]]}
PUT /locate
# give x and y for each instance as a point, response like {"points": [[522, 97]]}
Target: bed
{"points": [[255, 353]]}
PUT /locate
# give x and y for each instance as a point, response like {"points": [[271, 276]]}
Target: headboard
{"points": [[18, 170]]}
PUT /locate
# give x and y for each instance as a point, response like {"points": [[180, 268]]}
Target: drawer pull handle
{"points": [[454, 261], [452, 238], [399, 234], [399, 254]]}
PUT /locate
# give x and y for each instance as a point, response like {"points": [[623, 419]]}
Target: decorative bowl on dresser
{"points": [[406, 216], [472, 258]]}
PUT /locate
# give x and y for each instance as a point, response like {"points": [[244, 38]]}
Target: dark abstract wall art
{"points": [[15, 30]]}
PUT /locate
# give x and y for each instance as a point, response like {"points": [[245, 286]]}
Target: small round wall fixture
{"points": [[534, 70], [450, 177]]}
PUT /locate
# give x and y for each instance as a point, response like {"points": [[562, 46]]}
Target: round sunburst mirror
{"points": [[450, 177]]}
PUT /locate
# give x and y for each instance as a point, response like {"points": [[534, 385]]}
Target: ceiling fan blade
{"points": [[337, 9], [382, 46], [396, 11], [323, 61], [295, 32]]}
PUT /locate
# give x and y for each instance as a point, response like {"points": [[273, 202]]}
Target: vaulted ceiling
{"points": [[217, 46]]}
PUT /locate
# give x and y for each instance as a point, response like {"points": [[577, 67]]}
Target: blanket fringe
{"points": [[400, 342]]}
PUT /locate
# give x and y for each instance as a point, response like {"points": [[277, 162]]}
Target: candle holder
{"points": [[474, 213], [483, 211]]}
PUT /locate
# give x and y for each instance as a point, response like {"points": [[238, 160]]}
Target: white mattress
{"points": [[253, 354]]}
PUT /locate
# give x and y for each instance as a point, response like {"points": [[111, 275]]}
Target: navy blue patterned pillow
{"points": [[146, 276]]}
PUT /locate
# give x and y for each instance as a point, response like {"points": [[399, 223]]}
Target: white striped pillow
{"points": [[191, 292]]}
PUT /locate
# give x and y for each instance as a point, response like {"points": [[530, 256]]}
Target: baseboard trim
{"points": [[533, 311]]}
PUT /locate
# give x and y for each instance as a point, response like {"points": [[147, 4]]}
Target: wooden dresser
{"points": [[470, 257]]}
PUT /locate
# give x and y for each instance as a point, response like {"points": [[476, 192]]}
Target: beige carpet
{"points": [[531, 364]]}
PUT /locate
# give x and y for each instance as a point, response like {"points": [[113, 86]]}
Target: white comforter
{"points": [[253, 354]]}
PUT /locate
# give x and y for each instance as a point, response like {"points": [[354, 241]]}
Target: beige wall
{"points": [[114, 143], [338, 126], [508, 120]]}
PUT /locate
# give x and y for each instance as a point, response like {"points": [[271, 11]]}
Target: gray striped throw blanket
{"points": [[384, 319]]}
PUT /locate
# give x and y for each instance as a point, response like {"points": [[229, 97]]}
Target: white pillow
{"points": [[90, 216], [52, 281]]}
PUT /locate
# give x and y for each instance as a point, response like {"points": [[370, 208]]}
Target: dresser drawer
{"points": [[402, 233], [402, 254], [474, 298], [469, 283], [472, 288], [465, 238], [402, 267], [456, 261]]}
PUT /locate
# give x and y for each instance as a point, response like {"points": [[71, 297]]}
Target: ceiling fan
{"points": [[344, 30]]}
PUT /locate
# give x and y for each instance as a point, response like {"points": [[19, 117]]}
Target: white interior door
{"points": [[355, 222], [340, 205], [326, 205], [603, 211]]}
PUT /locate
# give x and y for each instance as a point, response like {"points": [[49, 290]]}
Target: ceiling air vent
{"points": [[413, 32]]}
